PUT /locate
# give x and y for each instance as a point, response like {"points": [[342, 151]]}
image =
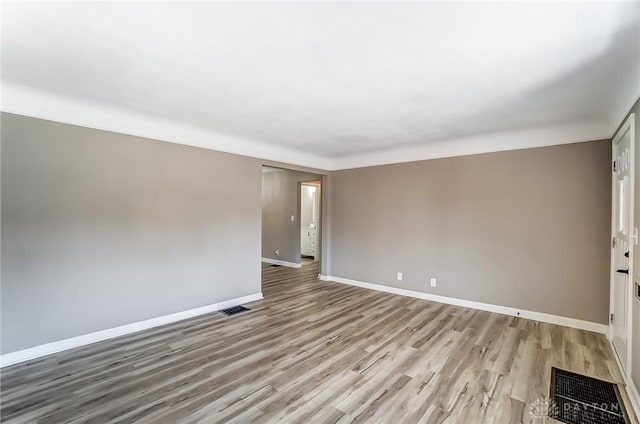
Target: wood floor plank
{"points": [[310, 352]]}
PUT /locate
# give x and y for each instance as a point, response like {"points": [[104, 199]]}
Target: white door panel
{"points": [[622, 244]]}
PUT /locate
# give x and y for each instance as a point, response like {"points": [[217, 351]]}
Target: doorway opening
{"points": [[291, 219], [310, 219]]}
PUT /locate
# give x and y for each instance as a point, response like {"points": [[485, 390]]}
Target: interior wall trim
{"points": [[283, 263], [27, 101], [497, 141], [85, 339], [504, 310], [632, 391], [630, 388]]}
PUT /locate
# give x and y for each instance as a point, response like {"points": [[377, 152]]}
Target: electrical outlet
{"points": [[399, 276], [277, 252], [433, 282], [293, 218]]}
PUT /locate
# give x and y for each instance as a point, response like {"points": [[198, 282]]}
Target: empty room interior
{"points": [[320, 212]]}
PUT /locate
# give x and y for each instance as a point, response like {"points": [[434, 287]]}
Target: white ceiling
{"points": [[329, 85]]}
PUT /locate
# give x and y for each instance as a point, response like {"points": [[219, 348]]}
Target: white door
{"points": [[622, 243]]}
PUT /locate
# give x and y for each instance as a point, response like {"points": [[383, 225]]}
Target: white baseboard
{"points": [[85, 339], [631, 390], [283, 263], [505, 310]]}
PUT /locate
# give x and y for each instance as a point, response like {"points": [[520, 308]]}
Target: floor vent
{"points": [[275, 265], [234, 310], [578, 399]]}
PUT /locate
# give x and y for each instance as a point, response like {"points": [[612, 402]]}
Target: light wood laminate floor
{"points": [[311, 351]]}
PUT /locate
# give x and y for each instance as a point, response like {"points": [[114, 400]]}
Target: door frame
{"points": [[627, 127], [318, 184]]}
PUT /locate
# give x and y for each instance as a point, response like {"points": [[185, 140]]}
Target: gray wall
{"points": [[117, 229], [325, 229], [102, 229], [280, 200], [528, 229]]}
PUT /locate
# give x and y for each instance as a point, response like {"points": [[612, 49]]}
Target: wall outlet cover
{"points": [[399, 276], [433, 282]]}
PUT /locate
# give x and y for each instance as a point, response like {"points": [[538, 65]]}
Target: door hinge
{"points": [[614, 166], [613, 242], [611, 318]]}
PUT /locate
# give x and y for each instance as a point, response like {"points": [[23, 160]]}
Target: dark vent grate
{"points": [[584, 400], [234, 310], [275, 265]]}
